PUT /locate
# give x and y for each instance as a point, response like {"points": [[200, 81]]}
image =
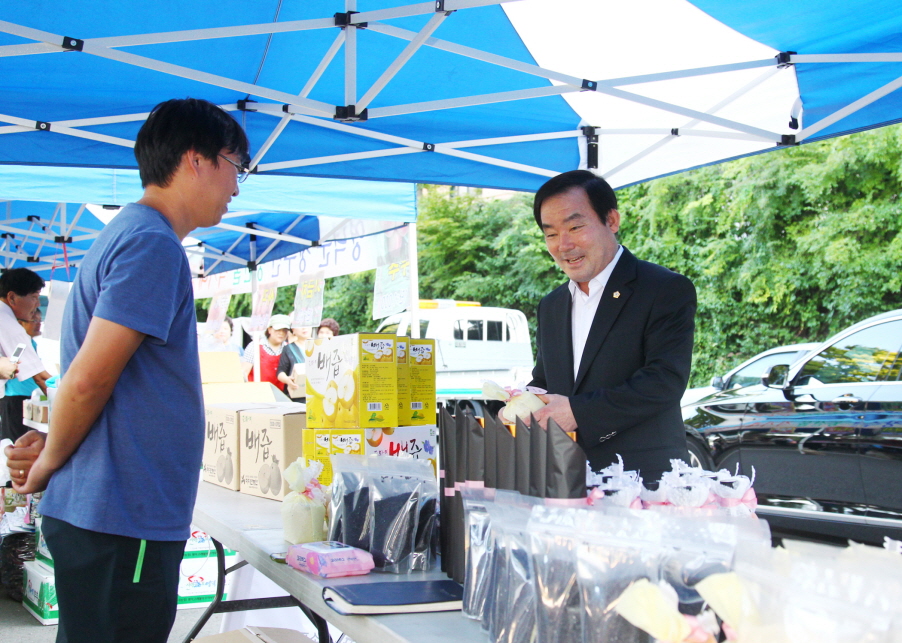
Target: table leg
{"points": [[218, 606]]}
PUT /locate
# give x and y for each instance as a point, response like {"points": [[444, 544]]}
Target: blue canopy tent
{"points": [[46, 226], [471, 92]]}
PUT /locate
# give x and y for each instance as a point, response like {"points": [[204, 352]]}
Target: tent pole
{"points": [[414, 268], [258, 336]]}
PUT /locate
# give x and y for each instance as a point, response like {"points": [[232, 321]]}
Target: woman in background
{"points": [[270, 351], [293, 354], [327, 328]]}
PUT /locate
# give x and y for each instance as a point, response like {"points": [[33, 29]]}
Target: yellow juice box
{"points": [[416, 441], [352, 381], [403, 353], [421, 369]]}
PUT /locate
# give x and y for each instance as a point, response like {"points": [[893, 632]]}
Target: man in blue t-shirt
{"points": [[124, 448]]}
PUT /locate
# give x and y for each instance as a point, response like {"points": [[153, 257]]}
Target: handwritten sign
{"points": [[332, 259], [391, 293], [219, 306], [308, 300], [263, 303]]}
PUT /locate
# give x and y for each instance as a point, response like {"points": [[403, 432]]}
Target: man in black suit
{"points": [[615, 343]]}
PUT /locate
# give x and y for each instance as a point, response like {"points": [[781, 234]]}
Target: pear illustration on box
{"points": [[352, 382]]}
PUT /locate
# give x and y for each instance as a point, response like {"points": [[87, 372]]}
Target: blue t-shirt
{"points": [[15, 387], [137, 471]]}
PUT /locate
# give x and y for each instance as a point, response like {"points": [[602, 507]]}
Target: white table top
{"points": [[253, 527]]}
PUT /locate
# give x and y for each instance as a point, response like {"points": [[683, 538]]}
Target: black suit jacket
{"points": [[634, 369]]}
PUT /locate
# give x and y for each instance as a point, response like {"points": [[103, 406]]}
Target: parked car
{"points": [[823, 436], [749, 372]]}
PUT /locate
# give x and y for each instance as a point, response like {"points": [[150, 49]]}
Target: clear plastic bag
{"points": [[510, 601], [694, 547], [403, 493], [349, 515], [618, 547], [553, 540], [478, 544]]}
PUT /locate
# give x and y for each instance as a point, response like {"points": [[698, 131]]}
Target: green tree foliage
{"points": [[348, 300], [784, 247], [490, 251]]}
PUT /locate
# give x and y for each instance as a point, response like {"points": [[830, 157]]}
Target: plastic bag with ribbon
{"points": [[304, 507]]}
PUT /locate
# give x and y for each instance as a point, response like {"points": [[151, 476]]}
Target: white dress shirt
{"points": [[11, 335], [584, 307]]}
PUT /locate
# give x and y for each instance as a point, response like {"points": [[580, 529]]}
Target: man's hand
{"points": [[557, 407], [7, 369], [21, 456]]}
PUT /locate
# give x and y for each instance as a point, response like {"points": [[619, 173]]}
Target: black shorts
{"points": [[109, 592]]}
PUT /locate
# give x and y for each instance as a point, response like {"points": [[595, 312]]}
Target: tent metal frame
{"points": [[299, 107]]}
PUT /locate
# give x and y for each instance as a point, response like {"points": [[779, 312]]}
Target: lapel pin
{"points": [[616, 294]]}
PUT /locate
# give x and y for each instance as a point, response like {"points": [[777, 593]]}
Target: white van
{"points": [[473, 343]]}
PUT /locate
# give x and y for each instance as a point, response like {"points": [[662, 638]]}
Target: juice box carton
{"points": [[271, 439], [352, 382], [421, 367], [403, 353], [40, 592], [222, 441], [416, 441]]}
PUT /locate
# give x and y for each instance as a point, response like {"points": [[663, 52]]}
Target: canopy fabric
{"points": [[47, 227], [455, 91]]}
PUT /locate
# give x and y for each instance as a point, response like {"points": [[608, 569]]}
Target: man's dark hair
{"points": [[600, 194], [182, 124], [21, 281]]}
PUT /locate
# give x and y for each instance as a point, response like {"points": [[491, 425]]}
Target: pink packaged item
{"points": [[329, 559]]}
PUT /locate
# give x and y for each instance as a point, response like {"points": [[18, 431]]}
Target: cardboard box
{"points": [[421, 368], [197, 578], [225, 392], [271, 439], [222, 442], [12, 500], [40, 592], [41, 554], [352, 381], [418, 441], [220, 366], [200, 545], [251, 634]]}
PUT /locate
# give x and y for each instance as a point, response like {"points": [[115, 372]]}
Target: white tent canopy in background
{"points": [[466, 92]]}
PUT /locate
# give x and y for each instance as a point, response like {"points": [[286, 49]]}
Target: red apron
{"points": [[269, 367]]}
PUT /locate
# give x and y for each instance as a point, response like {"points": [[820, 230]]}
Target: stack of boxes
{"points": [[197, 577], [366, 393]]}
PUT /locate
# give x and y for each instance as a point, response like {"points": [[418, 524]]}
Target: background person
{"points": [[327, 328], [126, 434], [17, 392], [221, 340], [293, 354], [20, 296], [614, 344], [270, 351]]}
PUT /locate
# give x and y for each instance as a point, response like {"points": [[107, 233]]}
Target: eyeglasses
{"points": [[242, 170]]}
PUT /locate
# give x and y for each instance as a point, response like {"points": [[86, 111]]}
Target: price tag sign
{"points": [[216, 314], [263, 303], [308, 300], [391, 293]]}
